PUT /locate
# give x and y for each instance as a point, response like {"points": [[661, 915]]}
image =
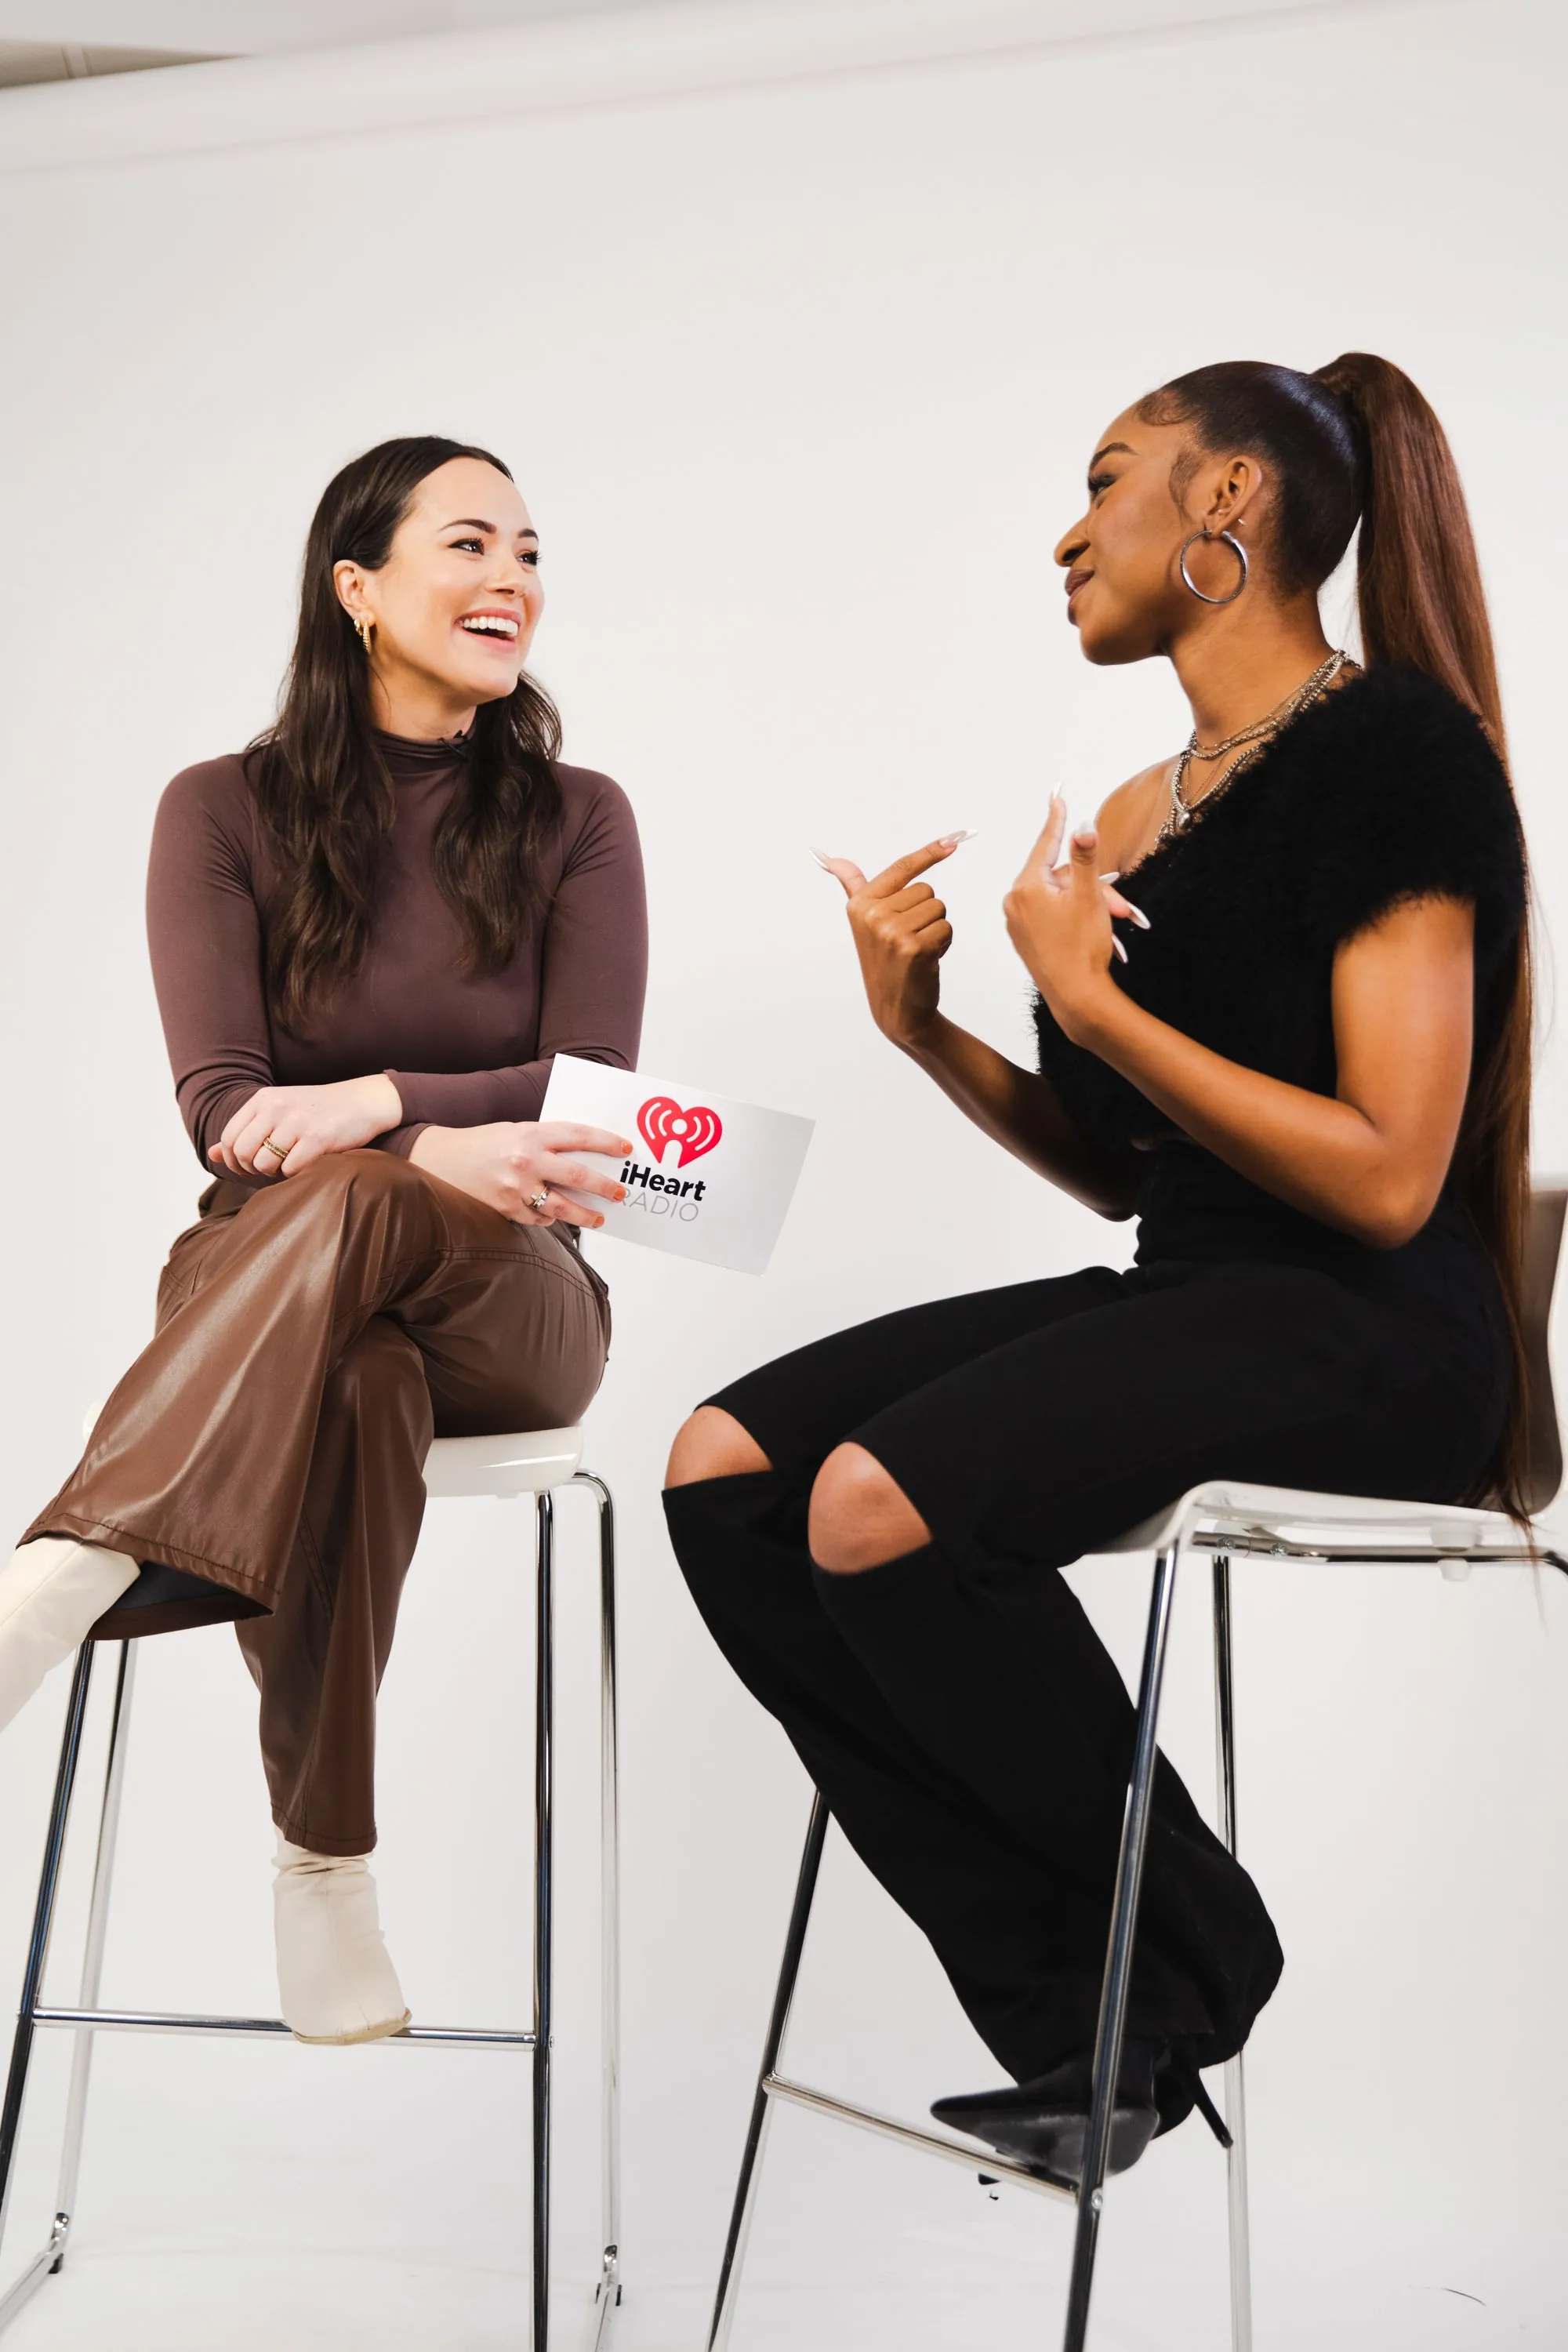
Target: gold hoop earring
{"points": [[363, 626]]}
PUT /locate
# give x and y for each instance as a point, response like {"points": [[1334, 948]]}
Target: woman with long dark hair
{"points": [[370, 934], [1298, 1051]]}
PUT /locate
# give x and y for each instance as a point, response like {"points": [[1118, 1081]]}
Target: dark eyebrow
{"points": [[474, 522], [1110, 450]]}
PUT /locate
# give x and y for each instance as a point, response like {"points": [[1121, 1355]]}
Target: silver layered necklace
{"points": [[1246, 745]]}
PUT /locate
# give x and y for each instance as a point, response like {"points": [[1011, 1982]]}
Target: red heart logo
{"points": [[662, 1122]]}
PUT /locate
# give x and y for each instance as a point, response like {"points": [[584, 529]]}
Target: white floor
{"points": [[254, 2302], [255, 2197], [1406, 2083]]}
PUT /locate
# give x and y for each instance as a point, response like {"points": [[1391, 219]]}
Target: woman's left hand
{"points": [[1058, 919], [282, 1130]]}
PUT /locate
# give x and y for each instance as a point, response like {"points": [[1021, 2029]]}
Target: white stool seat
{"points": [[1243, 1519], [524, 1461], [530, 1461]]}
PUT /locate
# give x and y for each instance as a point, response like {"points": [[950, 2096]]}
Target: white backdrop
{"points": [[800, 381]]}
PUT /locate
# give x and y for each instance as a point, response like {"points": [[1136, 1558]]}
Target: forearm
{"points": [[208, 1100], [1024, 1113], [427, 1147], [470, 1097], [1313, 1151]]}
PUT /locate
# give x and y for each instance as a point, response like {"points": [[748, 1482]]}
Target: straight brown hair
{"points": [[321, 785]]}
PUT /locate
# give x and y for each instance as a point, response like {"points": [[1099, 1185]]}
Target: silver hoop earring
{"points": [[1226, 538]]}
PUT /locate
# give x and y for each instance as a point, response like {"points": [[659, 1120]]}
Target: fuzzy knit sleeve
{"points": [[1412, 803]]}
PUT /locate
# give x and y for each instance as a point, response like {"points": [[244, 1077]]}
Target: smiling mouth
{"points": [[502, 626], [1075, 584]]}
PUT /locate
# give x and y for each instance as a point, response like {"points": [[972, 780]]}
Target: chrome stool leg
{"points": [[756, 2136], [608, 2294], [51, 2257], [1234, 2084], [87, 2017], [96, 1932], [1118, 1956], [543, 1991]]}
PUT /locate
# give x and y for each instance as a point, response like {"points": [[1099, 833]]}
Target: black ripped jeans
{"points": [[956, 1709]]}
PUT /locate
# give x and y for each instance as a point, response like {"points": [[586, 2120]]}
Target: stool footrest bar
{"points": [[48, 2259], [269, 2029], [973, 2159]]}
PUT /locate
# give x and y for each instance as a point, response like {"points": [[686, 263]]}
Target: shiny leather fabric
{"points": [[267, 1446]]}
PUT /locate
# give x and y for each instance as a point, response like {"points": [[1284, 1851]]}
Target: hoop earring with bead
{"points": [[1226, 538]]}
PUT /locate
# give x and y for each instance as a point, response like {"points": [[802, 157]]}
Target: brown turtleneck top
{"points": [[461, 1049]]}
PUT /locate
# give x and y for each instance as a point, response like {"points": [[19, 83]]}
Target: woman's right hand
{"points": [[508, 1166], [901, 933]]}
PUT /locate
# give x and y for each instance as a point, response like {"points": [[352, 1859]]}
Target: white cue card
{"points": [[707, 1177]]}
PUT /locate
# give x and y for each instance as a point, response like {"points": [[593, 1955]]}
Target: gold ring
{"points": [[282, 1150], [541, 1199]]}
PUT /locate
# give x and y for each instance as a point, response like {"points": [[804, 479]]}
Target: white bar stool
{"points": [[537, 1462], [1226, 1520]]}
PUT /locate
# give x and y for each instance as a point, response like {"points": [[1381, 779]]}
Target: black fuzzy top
{"points": [[1388, 790]]}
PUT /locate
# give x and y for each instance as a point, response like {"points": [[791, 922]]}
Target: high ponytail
{"points": [[1418, 581], [1421, 602], [1356, 441]]}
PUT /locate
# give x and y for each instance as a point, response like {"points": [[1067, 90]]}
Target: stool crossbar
{"points": [[536, 1462], [1227, 1520]]}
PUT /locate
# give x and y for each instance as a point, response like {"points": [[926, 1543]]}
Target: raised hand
{"points": [[901, 932], [1058, 919]]}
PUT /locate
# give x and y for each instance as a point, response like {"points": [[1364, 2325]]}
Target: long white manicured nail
{"points": [[951, 840], [821, 858], [1117, 949], [1114, 875], [1138, 916]]}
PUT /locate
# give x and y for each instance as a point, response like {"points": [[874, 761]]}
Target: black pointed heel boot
{"points": [[1044, 2123]]}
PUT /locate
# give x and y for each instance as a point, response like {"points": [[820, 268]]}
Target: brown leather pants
{"points": [[311, 1339]]}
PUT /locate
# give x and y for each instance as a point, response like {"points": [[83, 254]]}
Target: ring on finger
{"points": [[540, 1200], [281, 1150]]}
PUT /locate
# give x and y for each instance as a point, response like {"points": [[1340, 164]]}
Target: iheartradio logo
{"points": [[662, 1121], [704, 1176]]}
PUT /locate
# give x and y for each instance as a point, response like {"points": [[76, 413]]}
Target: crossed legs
{"points": [[269, 1443]]}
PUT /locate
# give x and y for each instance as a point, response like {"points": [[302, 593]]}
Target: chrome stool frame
{"points": [[86, 2019], [773, 2086], [1225, 1519], [1245, 1533]]}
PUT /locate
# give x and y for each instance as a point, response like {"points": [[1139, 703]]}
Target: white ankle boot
{"points": [[336, 1982], [52, 1590]]}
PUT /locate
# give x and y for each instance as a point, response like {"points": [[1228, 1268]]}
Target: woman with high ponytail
{"points": [[1283, 1019]]}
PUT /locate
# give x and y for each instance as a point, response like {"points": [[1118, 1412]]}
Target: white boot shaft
{"points": [[335, 1980], [53, 1590]]}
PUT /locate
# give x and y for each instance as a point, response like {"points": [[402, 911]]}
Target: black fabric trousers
{"points": [[956, 1709]]}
